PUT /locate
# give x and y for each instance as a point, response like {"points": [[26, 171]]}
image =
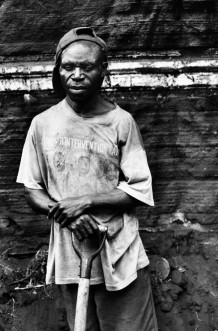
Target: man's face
{"points": [[82, 70]]}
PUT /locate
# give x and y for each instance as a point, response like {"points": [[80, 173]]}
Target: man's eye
{"points": [[68, 67], [87, 68]]}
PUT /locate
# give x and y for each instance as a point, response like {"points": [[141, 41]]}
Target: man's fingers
{"points": [[51, 204], [57, 213], [78, 235], [52, 211], [80, 225], [62, 220], [82, 231], [84, 226], [93, 224], [87, 223], [76, 232], [88, 229]]}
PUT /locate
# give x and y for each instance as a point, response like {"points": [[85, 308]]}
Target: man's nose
{"points": [[77, 73]]}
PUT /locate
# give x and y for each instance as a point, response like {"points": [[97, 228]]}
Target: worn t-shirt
{"points": [[69, 155]]}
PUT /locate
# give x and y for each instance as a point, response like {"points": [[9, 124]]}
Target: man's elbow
{"points": [[28, 193]]}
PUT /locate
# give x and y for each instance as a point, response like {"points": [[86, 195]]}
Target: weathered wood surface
{"points": [[125, 25], [82, 304], [134, 72]]}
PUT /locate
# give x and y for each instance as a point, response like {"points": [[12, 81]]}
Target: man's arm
{"points": [[38, 200], [67, 210], [74, 211]]}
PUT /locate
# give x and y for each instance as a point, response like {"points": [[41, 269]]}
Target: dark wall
{"points": [[34, 27]]}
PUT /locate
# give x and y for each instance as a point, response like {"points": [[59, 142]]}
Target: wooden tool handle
{"points": [[102, 228], [82, 304], [84, 281]]}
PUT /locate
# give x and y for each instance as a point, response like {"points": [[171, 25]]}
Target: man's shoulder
{"points": [[48, 113], [124, 112], [124, 115]]}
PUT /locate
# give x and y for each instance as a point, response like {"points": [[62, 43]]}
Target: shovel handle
{"points": [[81, 305], [86, 262], [84, 281]]}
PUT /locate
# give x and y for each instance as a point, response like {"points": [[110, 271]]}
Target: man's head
{"points": [[81, 63]]}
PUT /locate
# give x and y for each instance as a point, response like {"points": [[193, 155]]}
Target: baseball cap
{"points": [[80, 33]]}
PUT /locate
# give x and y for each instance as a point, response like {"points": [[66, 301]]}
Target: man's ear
{"points": [[104, 69]]}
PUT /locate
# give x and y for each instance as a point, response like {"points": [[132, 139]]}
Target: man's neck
{"points": [[96, 105]]}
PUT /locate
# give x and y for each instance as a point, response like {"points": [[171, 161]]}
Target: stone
{"points": [[4, 295], [167, 304], [197, 300], [177, 277]]}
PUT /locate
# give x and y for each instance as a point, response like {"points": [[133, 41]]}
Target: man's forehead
{"points": [[84, 47]]}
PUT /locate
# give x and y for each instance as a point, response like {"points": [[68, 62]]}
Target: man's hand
{"points": [[68, 210], [83, 227]]}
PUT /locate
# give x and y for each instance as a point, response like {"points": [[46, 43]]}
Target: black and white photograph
{"points": [[109, 165]]}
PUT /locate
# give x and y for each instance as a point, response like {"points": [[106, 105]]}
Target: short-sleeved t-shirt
{"points": [[69, 155]]}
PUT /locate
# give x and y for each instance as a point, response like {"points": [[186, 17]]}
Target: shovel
{"points": [[84, 281]]}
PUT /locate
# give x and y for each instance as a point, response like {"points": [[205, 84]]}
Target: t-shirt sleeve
{"points": [[29, 172], [134, 166]]}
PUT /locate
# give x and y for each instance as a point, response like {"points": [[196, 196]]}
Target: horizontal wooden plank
{"points": [[123, 74]]}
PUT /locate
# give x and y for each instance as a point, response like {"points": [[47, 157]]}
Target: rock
{"points": [[197, 300], [173, 261], [177, 277], [190, 288], [167, 304], [175, 291], [4, 295]]}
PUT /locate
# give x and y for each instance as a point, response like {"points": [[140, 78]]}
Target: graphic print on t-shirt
{"points": [[81, 165]]}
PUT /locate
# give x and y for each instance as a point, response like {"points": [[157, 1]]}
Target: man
{"points": [[83, 163]]}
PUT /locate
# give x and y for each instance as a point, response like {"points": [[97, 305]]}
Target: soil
{"points": [[183, 287], [187, 299], [25, 302]]}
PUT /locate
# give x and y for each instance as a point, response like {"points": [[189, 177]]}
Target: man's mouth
{"points": [[77, 87]]}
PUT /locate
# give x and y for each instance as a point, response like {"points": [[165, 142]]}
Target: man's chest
{"points": [[80, 155]]}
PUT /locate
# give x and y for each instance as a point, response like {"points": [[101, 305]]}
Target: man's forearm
{"points": [[38, 200], [71, 208], [113, 199]]}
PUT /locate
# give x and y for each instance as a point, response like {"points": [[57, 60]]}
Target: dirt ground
{"points": [[187, 300], [185, 289], [25, 302]]}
